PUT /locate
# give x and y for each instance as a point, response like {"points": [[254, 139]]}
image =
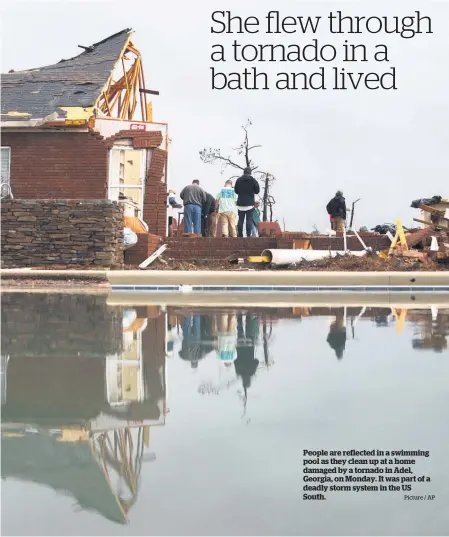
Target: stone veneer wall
{"points": [[60, 325], [62, 234]]}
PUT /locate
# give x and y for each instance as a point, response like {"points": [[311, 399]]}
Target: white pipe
{"points": [[287, 257]]}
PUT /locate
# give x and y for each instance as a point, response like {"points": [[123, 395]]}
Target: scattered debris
{"points": [[153, 256], [433, 238], [434, 200], [371, 263]]}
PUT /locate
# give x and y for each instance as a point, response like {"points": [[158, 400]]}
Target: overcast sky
{"points": [[386, 147]]}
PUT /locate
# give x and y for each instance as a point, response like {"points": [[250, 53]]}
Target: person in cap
{"points": [[336, 209], [246, 188]]}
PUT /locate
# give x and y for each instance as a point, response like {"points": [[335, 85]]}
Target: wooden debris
{"points": [[399, 238], [301, 244], [413, 254], [154, 256], [432, 210], [429, 224]]}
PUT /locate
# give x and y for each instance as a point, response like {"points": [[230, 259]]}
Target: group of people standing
{"points": [[204, 212]]}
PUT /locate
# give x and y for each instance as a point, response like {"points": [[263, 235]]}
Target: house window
{"points": [[127, 170], [6, 164]]}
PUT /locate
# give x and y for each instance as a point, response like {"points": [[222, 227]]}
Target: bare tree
{"points": [[214, 156], [267, 199]]}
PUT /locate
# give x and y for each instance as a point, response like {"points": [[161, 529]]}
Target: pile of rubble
{"points": [[434, 236], [369, 263]]}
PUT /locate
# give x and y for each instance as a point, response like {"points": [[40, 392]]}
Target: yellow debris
{"points": [[77, 112], [258, 259], [18, 114]]}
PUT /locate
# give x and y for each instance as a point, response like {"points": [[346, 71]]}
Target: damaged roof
{"points": [[77, 82]]}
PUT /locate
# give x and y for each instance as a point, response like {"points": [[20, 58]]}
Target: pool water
{"points": [[123, 419]]}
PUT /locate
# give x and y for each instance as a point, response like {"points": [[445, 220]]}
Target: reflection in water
{"points": [[79, 420], [83, 383], [337, 335]]}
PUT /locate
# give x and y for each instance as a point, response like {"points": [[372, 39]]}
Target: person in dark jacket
{"points": [[246, 363], [246, 188], [208, 217], [337, 336], [336, 209]]}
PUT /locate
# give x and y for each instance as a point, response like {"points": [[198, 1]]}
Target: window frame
{"points": [[8, 182]]}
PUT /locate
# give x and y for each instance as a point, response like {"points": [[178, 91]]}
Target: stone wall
{"points": [[60, 325], [75, 165], [62, 234]]}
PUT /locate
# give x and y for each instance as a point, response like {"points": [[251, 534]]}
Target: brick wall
{"points": [[147, 244], [204, 249], [75, 165], [57, 344], [62, 233], [155, 203], [58, 165], [323, 242], [155, 200], [200, 249]]}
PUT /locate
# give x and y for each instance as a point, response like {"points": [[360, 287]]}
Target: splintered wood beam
{"points": [[431, 210], [125, 104], [125, 78], [149, 91], [131, 48], [134, 96], [107, 103], [134, 104], [115, 100], [116, 86], [142, 104], [144, 94], [429, 224], [133, 88]]}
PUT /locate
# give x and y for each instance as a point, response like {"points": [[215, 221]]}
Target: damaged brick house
{"points": [[82, 129]]}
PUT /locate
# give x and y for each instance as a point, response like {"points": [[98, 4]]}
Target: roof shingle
{"points": [[69, 83]]}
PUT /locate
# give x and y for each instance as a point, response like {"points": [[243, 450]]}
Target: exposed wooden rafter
{"points": [[124, 96]]}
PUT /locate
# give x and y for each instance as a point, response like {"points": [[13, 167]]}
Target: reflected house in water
{"points": [[82, 384]]}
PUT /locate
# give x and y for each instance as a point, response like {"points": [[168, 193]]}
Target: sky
{"points": [[385, 147]]}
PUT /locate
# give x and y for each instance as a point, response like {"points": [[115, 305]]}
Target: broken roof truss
{"points": [[106, 80]]}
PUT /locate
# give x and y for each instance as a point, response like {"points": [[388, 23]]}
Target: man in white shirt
{"points": [[226, 206]]}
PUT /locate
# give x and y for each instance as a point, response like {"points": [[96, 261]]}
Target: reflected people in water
{"points": [[197, 340], [337, 335], [226, 325], [246, 363]]}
